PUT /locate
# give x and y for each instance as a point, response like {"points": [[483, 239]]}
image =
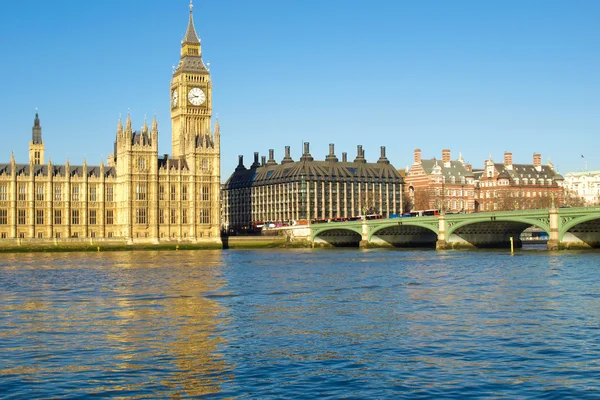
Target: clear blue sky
{"points": [[477, 77]]}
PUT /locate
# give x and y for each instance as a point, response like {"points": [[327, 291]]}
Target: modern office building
{"points": [[297, 192]]}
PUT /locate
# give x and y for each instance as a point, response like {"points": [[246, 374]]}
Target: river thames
{"points": [[301, 323]]}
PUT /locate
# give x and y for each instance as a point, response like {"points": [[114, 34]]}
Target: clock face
{"points": [[196, 96], [174, 98]]}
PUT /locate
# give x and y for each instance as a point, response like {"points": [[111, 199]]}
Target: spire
{"points": [[119, 126], [36, 132], [128, 123], [217, 127], [190, 34], [145, 127], [154, 124]]}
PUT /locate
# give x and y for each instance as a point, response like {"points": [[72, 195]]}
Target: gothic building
{"points": [[297, 192], [138, 196]]}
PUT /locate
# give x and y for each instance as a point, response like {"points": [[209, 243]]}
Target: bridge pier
{"points": [[554, 236], [441, 243], [364, 240]]}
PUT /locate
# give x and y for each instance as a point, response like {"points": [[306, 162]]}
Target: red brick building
{"points": [[440, 184], [508, 186]]}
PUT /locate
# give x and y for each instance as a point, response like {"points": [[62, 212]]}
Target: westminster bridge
{"points": [[566, 228]]}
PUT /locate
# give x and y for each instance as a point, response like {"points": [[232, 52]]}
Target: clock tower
{"points": [[191, 96]]}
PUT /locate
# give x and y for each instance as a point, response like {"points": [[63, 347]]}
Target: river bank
{"points": [[98, 245]]}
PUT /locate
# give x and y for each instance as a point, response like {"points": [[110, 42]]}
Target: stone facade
{"points": [[585, 185], [137, 196], [298, 192]]}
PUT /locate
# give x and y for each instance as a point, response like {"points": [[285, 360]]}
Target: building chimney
{"points": [[271, 160], [360, 155], [446, 156], [417, 156], [469, 167], [255, 164], [286, 157], [507, 158], [383, 159], [306, 156], [344, 157], [263, 161], [240, 163], [537, 160], [331, 156]]}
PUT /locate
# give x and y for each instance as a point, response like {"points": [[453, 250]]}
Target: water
{"points": [[300, 324]]}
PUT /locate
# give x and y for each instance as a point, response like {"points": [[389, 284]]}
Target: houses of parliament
{"points": [[137, 196]]}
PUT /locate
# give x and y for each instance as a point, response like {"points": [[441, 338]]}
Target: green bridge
{"points": [[566, 228]]}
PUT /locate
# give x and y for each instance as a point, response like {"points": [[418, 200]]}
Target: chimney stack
{"points": [[306, 156], [537, 160], [263, 161], [286, 157], [360, 154], [417, 156], [344, 157], [271, 160], [446, 156], [240, 163], [508, 158], [331, 156], [255, 164], [383, 159]]}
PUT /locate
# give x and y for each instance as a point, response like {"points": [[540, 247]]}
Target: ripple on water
{"points": [[306, 324]]}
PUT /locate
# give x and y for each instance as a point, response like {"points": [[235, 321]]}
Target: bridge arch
{"points": [[544, 225], [405, 233], [492, 230], [337, 236]]}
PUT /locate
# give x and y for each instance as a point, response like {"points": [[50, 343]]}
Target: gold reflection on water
{"points": [[150, 312]]}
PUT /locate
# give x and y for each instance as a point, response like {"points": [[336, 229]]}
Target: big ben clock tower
{"points": [[191, 95]]}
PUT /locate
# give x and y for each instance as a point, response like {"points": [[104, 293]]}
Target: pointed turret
{"points": [[36, 146], [145, 126], [36, 132], [190, 34], [128, 125], [191, 46]]}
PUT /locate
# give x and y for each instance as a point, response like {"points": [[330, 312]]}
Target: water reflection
{"points": [[108, 317]]}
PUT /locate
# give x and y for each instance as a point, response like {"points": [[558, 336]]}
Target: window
{"points": [[3, 217], [204, 216], [184, 193], [173, 216], [204, 192], [109, 195], [93, 217], [3, 192], [204, 165], [184, 217], [75, 193], [93, 196], [57, 235], [22, 191], [74, 217], [39, 192], [173, 193], [161, 191], [141, 163], [140, 216], [109, 217], [161, 216], [39, 217], [57, 217], [21, 219], [57, 193], [140, 191]]}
